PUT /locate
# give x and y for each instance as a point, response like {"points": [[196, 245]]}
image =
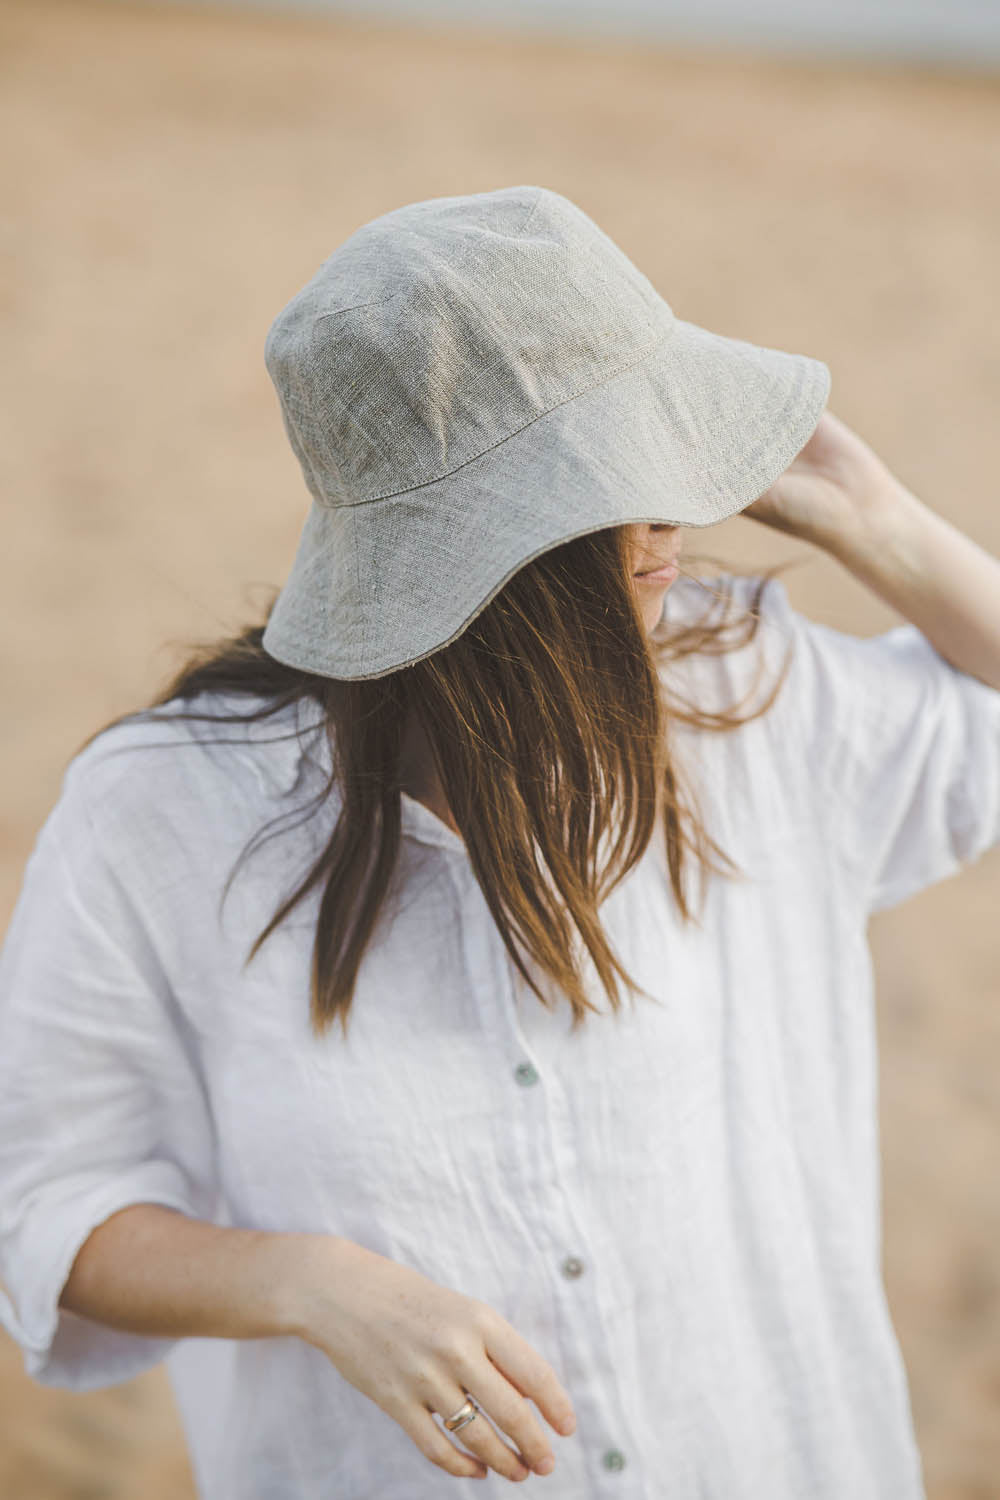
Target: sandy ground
{"points": [[179, 174]]}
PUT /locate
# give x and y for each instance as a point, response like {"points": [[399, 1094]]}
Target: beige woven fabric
{"points": [[469, 381]]}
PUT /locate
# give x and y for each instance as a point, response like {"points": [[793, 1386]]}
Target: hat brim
{"points": [[689, 435]]}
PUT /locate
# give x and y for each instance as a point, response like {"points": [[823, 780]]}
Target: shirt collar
{"points": [[295, 758]]}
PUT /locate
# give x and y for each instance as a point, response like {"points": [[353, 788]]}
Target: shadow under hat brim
{"points": [[691, 433]]}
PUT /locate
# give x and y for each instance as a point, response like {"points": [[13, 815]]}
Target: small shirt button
{"points": [[613, 1459], [525, 1073], [572, 1266]]}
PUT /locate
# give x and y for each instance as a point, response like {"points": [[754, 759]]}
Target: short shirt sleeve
{"points": [[900, 749], [101, 1101]]}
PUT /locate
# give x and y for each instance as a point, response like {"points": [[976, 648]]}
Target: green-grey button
{"points": [[525, 1073], [613, 1459], [572, 1266]]}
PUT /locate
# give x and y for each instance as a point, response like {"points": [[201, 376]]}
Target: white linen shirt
{"points": [[678, 1207]]}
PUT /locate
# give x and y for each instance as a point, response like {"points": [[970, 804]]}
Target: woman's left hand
{"points": [[832, 483]]}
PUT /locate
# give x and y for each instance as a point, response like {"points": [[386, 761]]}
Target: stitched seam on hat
{"points": [[317, 487], [494, 590], [335, 312], [621, 370], [330, 454], [357, 573], [531, 212]]}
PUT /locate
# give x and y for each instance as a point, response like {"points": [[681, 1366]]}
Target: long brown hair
{"points": [[549, 720]]}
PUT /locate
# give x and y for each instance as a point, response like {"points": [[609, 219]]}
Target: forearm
{"points": [[931, 572], [152, 1271]]}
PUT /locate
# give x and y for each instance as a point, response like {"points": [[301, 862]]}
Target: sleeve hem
{"points": [[94, 1353]]}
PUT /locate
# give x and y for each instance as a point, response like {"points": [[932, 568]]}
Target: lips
{"points": [[668, 562]]}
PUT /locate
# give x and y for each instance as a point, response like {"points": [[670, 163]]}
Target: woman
{"points": [[456, 1104]]}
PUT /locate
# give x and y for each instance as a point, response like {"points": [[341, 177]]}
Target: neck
{"points": [[418, 773]]}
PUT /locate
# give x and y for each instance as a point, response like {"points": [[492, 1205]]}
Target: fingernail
{"points": [[546, 1466]]}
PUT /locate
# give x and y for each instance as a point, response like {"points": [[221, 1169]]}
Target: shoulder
{"points": [[157, 767]]}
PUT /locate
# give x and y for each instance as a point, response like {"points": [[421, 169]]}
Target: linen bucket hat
{"points": [[469, 381]]}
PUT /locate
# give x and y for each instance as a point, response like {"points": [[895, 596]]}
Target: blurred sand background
{"points": [[173, 175]]}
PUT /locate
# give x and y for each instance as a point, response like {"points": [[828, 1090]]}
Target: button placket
{"points": [[501, 1025], [595, 1415]]}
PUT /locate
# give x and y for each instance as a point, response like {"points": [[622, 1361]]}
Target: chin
{"points": [[651, 609]]}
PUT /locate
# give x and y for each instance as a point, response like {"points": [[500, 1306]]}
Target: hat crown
{"points": [[442, 328]]}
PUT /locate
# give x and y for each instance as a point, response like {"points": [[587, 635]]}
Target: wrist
{"points": [[307, 1267]]}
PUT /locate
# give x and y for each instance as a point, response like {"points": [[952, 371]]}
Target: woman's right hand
{"points": [[415, 1348]]}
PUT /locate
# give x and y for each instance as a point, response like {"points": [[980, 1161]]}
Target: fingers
{"points": [[437, 1444], [510, 1412], [434, 1443], [487, 1449], [480, 1436], [522, 1367], [502, 1372]]}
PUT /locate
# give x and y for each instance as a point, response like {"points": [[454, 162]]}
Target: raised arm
{"points": [[838, 494]]}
